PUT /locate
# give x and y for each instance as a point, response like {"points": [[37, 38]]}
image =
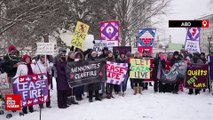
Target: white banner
{"points": [[45, 49]]}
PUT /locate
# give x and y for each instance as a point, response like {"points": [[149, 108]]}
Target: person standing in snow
{"points": [[43, 66], [11, 61], [137, 83], [109, 87], [195, 60], [123, 59], [79, 91], [70, 92], [27, 68], [94, 87], [62, 84]]}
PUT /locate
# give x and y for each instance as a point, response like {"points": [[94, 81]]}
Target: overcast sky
{"points": [[182, 10]]}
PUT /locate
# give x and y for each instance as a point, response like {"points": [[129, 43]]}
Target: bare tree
{"points": [[29, 21], [135, 14]]}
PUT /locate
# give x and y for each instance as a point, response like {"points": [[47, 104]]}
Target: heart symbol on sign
{"points": [[71, 76], [194, 30]]}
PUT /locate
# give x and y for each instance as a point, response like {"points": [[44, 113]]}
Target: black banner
{"points": [[85, 72], [122, 49]]}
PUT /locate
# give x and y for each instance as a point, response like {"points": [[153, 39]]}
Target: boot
{"points": [[73, 101], [135, 90], [69, 101], [140, 90]]}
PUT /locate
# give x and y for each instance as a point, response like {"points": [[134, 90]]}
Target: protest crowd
{"points": [[75, 83]]}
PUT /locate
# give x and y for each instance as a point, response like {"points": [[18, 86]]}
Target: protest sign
{"points": [[85, 72], [4, 83], [122, 49], [99, 45], [81, 31], [116, 72], [45, 49], [192, 42], [13, 102], [109, 30], [211, 67], [33, 89], [196, 76], [140, 68]]}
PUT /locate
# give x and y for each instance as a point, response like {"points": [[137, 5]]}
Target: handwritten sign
{"points": [[81, 31], [140, 68], [4, 83], [33, 89], [116, 72], [45, 49], [196, 76]]}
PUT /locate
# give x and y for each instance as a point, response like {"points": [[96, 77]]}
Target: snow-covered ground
{"points": [[149, 106]]}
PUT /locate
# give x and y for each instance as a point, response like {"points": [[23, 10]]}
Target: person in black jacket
{"points": [[94, 87]]}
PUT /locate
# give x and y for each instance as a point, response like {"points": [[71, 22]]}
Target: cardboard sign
{"points": [[4, 83], [122, 49], [81, 31], [13, 102], [196, 76], [192, 42], [85, 72], [116, 72], [33, 89], [140, 68], [45, 49], [109, 30]]}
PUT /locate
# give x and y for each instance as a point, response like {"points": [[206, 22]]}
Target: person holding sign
{"points": [[95, 87], [137, 82], [43, 66], [26, 69], [195, 60], [109, 87]]}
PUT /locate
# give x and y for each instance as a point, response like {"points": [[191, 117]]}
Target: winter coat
{"points": [[22, 70], [62, 83], [8, 65]]}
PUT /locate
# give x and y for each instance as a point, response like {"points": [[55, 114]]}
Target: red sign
{"points": [[205, 23], [12, 102]]}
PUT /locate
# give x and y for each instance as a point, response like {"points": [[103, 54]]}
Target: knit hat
{"points": [[11, 48], [25, 57], [175, 53]]}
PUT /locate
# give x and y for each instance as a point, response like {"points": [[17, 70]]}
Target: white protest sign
{"points": [[45, 49]]}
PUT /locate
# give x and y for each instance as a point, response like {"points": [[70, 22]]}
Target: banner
{"points": [[81, 31], [140, 68], [45, 49], [116, 72], [196, 76], [145, 40], [192, 43], [211, 67], [149, 49], [177, 70], [85, 72], [122, 49], [109, 30], [33, 89]]}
